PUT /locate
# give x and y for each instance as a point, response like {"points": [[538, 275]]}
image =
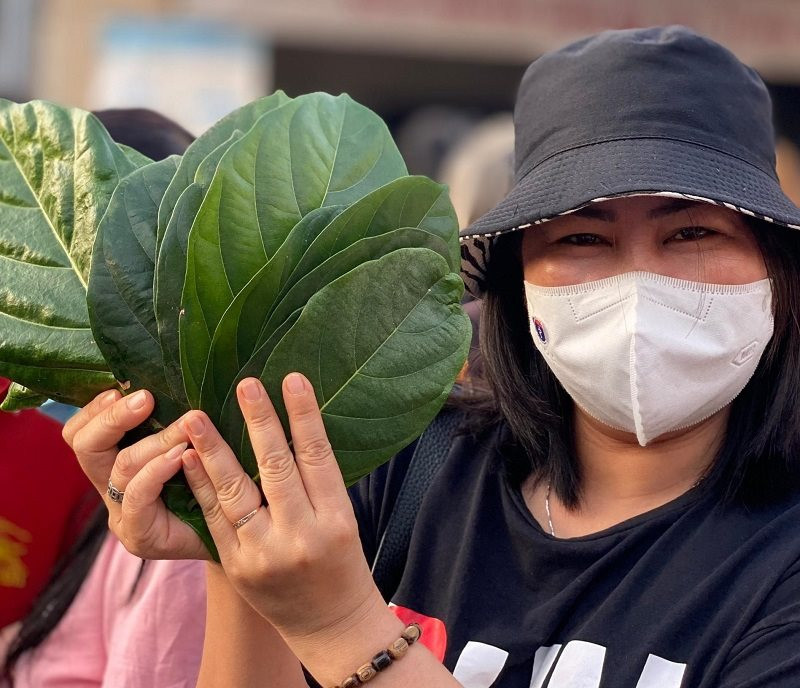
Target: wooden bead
{"points": [[398, 648], [382, 660], [366, 672], [412, 633]]}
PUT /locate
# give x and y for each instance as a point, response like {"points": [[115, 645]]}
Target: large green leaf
{"points": [[19, 398], [176, 215], [369, 248], [136, 158], [58, 169], [228, 357], [406, 202], [384, 370], [236, 337], [241, 119], [219, 398], [120, 296], [207, 168], [168, 284], [170, 270], [312, 152], [367, 230]]}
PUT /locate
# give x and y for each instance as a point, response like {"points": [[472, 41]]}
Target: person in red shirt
{"points": [[35, 532]]}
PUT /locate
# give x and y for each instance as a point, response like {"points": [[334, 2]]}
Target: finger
{"points": [[315, 459], [149, 527], [95, 444], [235, 491], [132, 459], [280, 480], [221, 527], [84, 415]]}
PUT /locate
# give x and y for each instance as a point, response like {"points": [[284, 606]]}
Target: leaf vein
{"points": [[335, 157], [374, 353], [45, 215]]}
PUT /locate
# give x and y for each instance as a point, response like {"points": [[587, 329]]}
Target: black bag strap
{"points": [[429, 454]]}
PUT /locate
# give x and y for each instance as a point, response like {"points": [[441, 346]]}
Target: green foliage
{"points": [[58, 170], [19, 398], [120, 297], [289, 237]]}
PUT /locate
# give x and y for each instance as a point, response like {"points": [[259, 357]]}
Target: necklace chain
{"points": [[547, 509]]}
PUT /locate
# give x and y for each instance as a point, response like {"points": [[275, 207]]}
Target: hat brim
{"points": [[599, 171]]}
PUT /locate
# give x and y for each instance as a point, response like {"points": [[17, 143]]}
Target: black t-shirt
{"points": [[690, 594]]}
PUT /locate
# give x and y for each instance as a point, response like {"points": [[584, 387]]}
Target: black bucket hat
{"points": [[659, 111]]}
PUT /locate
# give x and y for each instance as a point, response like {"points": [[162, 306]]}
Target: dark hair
{"points": [[759, 459], [56, 597], [146, 131]]}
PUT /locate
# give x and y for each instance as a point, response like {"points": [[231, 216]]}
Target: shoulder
{"points": [[466, 452], [767, 652], [456, 444]]}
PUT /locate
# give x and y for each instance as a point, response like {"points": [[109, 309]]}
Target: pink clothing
{"points": [[110, 639]]}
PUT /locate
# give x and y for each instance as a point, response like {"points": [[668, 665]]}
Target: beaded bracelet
{"points": [[384, 658]]}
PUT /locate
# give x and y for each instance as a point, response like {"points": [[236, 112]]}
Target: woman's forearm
{"points": [[299, 563], [242, 649], [331, 657]]}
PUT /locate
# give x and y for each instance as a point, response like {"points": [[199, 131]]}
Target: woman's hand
{"points": [[298, 561], [140, 520]]}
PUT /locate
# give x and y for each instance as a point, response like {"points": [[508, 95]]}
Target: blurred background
{"points": [[442, 73]]}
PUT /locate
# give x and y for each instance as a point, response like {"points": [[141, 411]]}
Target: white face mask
{"points": [[650, 354]]}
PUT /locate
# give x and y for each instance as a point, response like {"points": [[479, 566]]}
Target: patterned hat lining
{"points": [[475, 252]]}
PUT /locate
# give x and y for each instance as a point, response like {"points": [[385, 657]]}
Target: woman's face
{"points": [[688, 240]]}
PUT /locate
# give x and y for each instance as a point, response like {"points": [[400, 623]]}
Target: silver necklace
{"points": [[550, 517], [547, 509]]}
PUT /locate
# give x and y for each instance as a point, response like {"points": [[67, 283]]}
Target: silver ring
{"points": [[244, 519], [114, 494]]}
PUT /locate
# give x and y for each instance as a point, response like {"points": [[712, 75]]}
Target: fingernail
{"points": [[175, 452], [196, 425], [108, 397], [294, 383], [135, 401], [190, 461], [251, 390]]}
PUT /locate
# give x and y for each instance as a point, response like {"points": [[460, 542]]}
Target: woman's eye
{"points": [[583, 240], [692, 234]]}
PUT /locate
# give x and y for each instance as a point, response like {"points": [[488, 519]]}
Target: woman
{"points": [[631, 517]]}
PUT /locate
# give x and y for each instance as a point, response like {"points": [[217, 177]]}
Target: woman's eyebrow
{"points": [[674, 205], [670, 207], [595, 213]]}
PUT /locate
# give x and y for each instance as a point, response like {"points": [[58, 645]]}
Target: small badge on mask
{"points": [[539, 327], [746, 354]]}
